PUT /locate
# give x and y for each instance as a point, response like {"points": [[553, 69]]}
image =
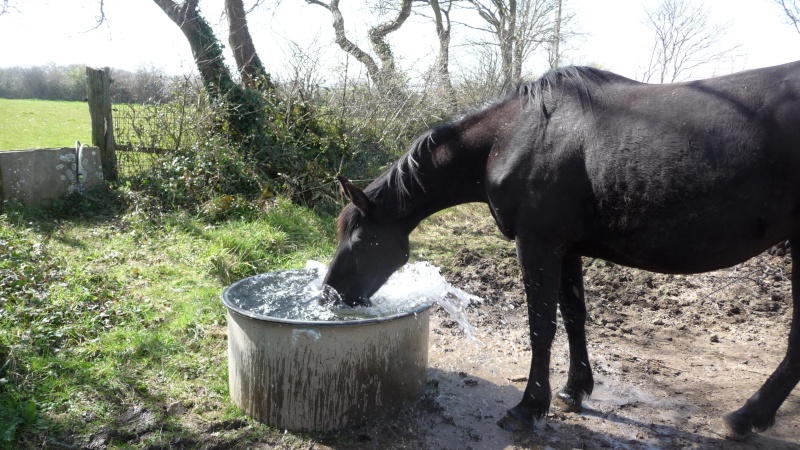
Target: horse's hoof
{"points": [[510, 422], [566, 403], [734, 427]]}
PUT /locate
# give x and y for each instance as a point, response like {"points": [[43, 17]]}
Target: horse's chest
{"points": [[541, 198]]}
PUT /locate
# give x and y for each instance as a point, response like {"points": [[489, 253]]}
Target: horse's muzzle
{"points": [[330, 296]]}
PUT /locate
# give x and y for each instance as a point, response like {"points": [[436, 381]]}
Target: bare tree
{"points": [[685, 39], [385, 76], [481, 80], [518, 27], [792, 10]]}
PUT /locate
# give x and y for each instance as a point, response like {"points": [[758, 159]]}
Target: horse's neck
{"points": [[458, 174]]}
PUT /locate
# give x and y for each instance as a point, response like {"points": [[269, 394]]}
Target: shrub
{"points": [[291, 141]]}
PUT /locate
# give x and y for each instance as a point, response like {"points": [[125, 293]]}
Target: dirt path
{"points": [[670, 354]]}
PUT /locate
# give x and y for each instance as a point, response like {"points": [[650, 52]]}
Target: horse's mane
{"points": [[578, 78], [404, 176]]}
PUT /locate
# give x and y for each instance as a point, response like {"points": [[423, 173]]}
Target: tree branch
{"points": [[378, 33], [792, 13], [684, 40], [319, 3]]}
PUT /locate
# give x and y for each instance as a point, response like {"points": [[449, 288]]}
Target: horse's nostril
{"points": [[358, 301]]}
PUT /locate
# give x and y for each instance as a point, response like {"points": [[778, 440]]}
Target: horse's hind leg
{"points": [[573, 312], [759, 411]]}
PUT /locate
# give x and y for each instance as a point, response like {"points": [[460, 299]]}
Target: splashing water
{"points": [[295, 294]]}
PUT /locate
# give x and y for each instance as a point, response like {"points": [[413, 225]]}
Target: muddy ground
{"points": [[670, 355]]}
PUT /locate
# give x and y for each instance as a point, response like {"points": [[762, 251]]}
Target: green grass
{"points": [[111, 325], [43, 124]]}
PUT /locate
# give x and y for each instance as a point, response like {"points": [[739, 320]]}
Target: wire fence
{"points": [[143, 133]]}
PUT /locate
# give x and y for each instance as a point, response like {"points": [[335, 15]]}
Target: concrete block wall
{"points": [[39, 176]]}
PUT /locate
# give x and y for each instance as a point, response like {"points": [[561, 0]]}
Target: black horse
{"points": [[674, 178]]}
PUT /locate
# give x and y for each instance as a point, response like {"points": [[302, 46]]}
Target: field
{"points": [[43, 124]]}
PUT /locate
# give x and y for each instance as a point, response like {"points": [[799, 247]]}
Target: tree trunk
{"points": [[443, 61], [505, 41], [377, 36], [205, 47], [251, 70], [514, 47], [348, 46], [244, 107], [556, 51]]}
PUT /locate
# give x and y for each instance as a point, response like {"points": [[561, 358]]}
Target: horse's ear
{"points": [[356, 195]]}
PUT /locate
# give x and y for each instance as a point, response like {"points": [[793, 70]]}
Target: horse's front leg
{"points": [[541, 269], [580, 382]]}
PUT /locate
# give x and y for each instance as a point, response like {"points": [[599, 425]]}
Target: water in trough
{"points": [[295, 295]]}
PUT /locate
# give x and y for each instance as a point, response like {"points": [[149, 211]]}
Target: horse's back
{"points": [[689, 177]]}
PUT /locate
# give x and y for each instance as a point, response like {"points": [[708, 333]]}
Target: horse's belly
{"points": [[674, 260], [690, 243]]}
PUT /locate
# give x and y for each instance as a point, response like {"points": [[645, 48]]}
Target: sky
{"points": [[138, 34]]}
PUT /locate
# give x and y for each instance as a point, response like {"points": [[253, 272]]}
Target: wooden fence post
{"points": [[2, 191], [98, 90]]}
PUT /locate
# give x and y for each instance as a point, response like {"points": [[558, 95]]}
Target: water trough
{"points": [[321, 375]]}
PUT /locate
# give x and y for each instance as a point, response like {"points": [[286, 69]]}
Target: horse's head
{"points": [[370, 249]]}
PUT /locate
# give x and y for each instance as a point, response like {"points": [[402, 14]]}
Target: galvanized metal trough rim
{"points": [[317, 323]]}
